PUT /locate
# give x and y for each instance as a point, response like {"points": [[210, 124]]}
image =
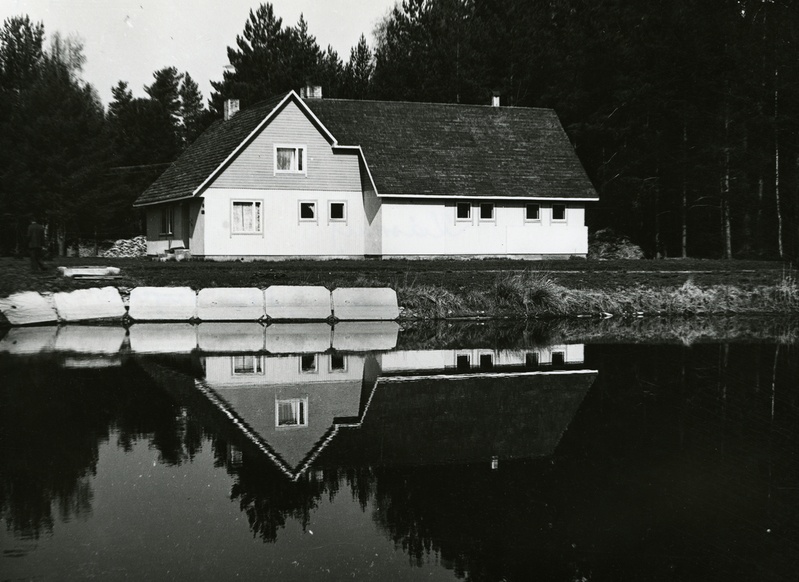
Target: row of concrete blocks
{"points": [[209, 338], [278, 303]]}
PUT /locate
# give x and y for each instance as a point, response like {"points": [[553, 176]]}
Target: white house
{"points": [[313, 177]]}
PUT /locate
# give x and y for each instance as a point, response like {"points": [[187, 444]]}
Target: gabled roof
{"points": [[410, 149]]}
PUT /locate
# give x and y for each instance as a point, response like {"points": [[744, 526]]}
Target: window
{"points": [[558, 212], [463, 211], [307, 211], [338, 363], [246, 217], [308, 364], [293, 412], [531, 360], [337, 212], [487, 211], [289, 159], [167, 220], [558, 358], [486, 361], [463, 362], [532, 211], [245, 365]]}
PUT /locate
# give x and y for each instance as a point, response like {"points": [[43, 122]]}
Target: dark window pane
{"points": [[486, 361], [486, 211], [462, 362], [558, 212], [532, 212], [337, 210], [307, 210], [464, 210], [558, 358]]}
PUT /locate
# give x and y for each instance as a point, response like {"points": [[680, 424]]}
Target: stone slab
{"points": [[303, 303], [89, 271], [230, 337], [162, 304], [27, 308], [297, 338], [90, 339], [230, 304], [29, 340], [85, 304], [163, 338], [365, 303], [365, 336]]}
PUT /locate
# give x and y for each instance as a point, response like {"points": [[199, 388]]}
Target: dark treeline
{"points": [[684, 114]]}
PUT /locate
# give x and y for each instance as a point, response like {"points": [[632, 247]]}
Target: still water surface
{"points": [[216, 452]]}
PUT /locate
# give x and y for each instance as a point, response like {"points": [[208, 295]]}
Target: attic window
{"points": [[290, 159]]}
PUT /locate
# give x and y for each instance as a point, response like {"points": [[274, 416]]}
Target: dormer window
{"points": [[290, 159]]}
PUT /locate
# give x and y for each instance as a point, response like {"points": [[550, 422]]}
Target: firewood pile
{"points": [[128, 248]]}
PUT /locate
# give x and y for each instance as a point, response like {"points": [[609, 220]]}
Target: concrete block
{"points": [[288, 302], [89, 272], [29, 340], [162, 304], [297, 338], [230, 337], [365, 336], [26, 308], [86, 304], [90, 339], [230, 304], [163, 338], [365, 303]]}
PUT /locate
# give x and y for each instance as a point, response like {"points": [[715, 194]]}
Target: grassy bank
{"points": [[489, 288]]}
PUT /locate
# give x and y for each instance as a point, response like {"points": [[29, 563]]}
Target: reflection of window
{"points": [[487, 211], [338, 212], [167, 220], [532, 211], [247, 365], [338, 363], [308, 363], [558, 358], [246, 216], [293, 412], [531, 360], [290, 159], [558, 212], [308, 210], [463, 211], [486, 361], [463, 362]]}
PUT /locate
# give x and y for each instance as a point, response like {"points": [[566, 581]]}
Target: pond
{"points": [[363, 451]]}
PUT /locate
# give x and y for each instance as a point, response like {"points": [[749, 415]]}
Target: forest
{"points": [[683, 113]]}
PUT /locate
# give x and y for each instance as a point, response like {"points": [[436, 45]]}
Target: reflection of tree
{"points": [[52, 422]]}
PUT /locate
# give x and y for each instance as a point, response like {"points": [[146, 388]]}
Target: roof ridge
{"points": [[404, 102]]}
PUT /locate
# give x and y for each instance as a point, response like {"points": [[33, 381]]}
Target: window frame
{"points": [[306, 369], [315, 218], [527, 206], [493, 212], [167, 227], [468, 205], [300, 153], [565, 212], [330, 204], [255, 202], [257, 368], [299, 410], [338, 369]]}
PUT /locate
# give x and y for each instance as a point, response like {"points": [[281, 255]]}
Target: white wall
{"points": [[418, 227], [283, 233]]}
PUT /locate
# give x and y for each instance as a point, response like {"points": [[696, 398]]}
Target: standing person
{"points": [[35, 244]]}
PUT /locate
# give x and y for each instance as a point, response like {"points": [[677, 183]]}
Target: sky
{"points": [[129, 39]]}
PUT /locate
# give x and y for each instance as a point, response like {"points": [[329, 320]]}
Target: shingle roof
{"points": [[458, 150], [420, 149]]}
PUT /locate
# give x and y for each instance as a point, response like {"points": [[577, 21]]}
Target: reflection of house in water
{"points": [[400, 407]]}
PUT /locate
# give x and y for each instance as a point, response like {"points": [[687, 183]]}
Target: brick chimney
{"points": [[311, 91]]}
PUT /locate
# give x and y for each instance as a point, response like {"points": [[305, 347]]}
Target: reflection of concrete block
{"points": [[29, 340], [90, 339], [163, 338], [162, 304], [92, 362], [230, 336], [365, 303], [26, 308], [293, 338], [230, 304], [365, 336], [85, 304], [297, 303]]}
